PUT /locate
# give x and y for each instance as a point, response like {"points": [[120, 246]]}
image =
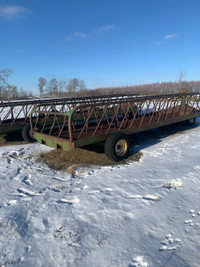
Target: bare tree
{"points": [[1, 89], [61, 86], [13, 92], [53, 87], [5, 74], [181, 76], [5, 87], [82, 85], [41, 84], [73, 85]]}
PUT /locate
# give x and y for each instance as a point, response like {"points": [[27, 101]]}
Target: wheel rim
{"points": [[121, 147]]}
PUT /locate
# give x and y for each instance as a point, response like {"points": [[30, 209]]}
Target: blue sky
{"points": [[104, 43]]}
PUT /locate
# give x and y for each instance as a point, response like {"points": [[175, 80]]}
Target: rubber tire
{"points": [[26, 134], [110, 144], [191, 121]]}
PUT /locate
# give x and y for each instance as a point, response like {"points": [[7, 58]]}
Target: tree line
{"points": [[56, 87], [51, 88], [77, 88], [153, 88]]}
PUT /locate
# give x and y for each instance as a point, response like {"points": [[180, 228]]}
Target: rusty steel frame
{"points": [[88, 123], [15, 114]]}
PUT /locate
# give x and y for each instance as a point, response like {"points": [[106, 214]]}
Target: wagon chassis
{"points": [[87, 123]]}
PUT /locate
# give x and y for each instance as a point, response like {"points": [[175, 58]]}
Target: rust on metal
{"points": [[15, 114], [91, 122]]}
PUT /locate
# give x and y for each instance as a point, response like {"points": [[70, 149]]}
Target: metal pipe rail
{"points": [[62, 99], [89, 123], [15, 114]]}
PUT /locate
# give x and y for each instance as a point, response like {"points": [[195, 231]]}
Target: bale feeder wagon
{"points": [[14, 115], [110, 120]]}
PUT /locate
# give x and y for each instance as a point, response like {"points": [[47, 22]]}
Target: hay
{"points": [[12, 138], [62, 160], [2, 141]]}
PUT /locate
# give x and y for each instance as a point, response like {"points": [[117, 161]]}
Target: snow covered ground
{"points": [[143, 214]]}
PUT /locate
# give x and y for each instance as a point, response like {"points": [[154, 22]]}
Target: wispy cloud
{"points": [[76, 35], [12, 11], [98, 30], [166, 38], [80, 35], [170, 36], [106, 28]]}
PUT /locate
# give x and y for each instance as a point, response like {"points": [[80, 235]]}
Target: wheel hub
{"points": [[121, 147]]}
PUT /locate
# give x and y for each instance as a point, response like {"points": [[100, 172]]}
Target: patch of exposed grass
{"points": [[62, 160], [2, 140], [12, 138]]}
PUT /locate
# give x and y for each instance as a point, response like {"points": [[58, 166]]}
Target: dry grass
{"points": [[62, 160], [13, 138]]}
